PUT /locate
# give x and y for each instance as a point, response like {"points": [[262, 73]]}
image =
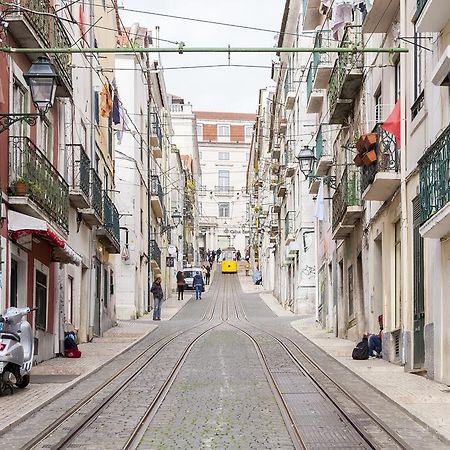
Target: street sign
{"points": [[170, 261], [172, 250]]}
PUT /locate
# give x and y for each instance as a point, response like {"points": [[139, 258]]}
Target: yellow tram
{"points": [[229, 262]]}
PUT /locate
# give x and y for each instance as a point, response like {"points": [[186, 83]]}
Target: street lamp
{"points": [[42, 79], [176, 219], [306, 160]]}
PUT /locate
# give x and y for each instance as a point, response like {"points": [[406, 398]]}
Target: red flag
{"points": [[392, 123]]}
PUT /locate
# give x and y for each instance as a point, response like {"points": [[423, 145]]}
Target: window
{"points": [[200, 132], [13, 289], [45, 140], [351, 306], [378, 105], [248, 132], [224, 156], [224, 209], [419, 74], [105, 287], [41, 300], [224, 180], [19, 106], [111, 282], [69, 302], [223, 133]]}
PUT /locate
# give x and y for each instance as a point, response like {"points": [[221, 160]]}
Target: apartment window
{"points": [[69, 302], [45, 143], [378, 105], [224, 156], [223, 133], [224, 180], [111, 282], [248, 132], [398, 276], [19, 106], [224, 209], [41, 299], [419, 74], [200, 132], [13, 288]]}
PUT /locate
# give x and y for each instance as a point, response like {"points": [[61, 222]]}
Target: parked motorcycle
{"points": [[16, 349]]}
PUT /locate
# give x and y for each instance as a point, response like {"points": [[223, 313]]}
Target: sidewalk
{"points": [[426, 400]]}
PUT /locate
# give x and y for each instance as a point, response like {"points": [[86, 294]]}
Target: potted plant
{"points": [[21, 186]]}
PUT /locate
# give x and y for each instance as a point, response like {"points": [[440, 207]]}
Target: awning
{"points": [[22, 225]]}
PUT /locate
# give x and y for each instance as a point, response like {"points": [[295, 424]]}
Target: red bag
{"points": [[72, 353]]}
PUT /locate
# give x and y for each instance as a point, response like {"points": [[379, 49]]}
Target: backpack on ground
{"points": [[361, 351]]}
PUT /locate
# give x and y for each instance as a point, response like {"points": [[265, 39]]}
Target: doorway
{"points": [[98, 293]]}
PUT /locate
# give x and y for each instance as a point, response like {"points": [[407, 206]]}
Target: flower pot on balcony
{"points": [[21, 187], [369, 157], [358, 160], [370, 140], [360, 145]]}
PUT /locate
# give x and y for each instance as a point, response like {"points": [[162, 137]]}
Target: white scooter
{"points": [[16, 349]]}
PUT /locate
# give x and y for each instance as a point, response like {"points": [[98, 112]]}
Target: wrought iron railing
{"points": [[155, 252], [322, 40], [111, 217], [434, 169], [156, 128], [289, 224], [323, 142], [344, 63], [79, 164], [289, 151], [156, 188], [226, 189], [309, 81], [96, 193], [348, 193], [44, 184], [388, 158], [43, 17]]}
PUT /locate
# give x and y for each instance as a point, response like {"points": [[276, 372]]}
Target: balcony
{"points": [[37, 188], [346, 203], [380, 180], [155, 136], [431, 15], [323, 151], [276, 149], [155, 256], [109, 233], [289, 93], [32, 24], [281, 191], [289, 226], [434, 167], [314, 97], [93, 214], [312, 18], [322, 62], [79, 166], [157, 196], [226, 191], [346, 78], [379, 18]]}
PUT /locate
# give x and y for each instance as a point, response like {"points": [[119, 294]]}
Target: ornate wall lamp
{"points": [[306, 161], [42, 80]]}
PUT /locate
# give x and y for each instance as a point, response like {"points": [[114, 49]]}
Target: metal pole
{"points": [[181, 50]]}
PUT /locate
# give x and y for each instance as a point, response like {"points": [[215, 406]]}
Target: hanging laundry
{"points": [[105, 101], [342, 14], [123, 124], [116, 109]]}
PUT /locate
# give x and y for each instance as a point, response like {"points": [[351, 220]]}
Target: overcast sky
{"points": [[213, 89]]}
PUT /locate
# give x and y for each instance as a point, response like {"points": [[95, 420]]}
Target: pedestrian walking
{"points": [[198, 284], [219, 251], [208, 274], [181, 282], [158, 295]]}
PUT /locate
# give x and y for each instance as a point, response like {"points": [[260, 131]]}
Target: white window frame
{"points": [[199, 132], [38, 266], [223, 137], [248, 135], [224, 156], [21, 257], [224, 207]]}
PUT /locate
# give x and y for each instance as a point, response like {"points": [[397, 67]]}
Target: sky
{"points": [[231, 89]]}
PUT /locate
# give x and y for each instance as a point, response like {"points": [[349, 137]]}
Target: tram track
{"points": [[296, 433]]}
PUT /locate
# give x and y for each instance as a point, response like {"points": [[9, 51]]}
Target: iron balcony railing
{"points": [[111, 218], [156, 188], [96, 193], [226, 189], [79, 164], [322, 40], [155, 252], [156, 128], [309, 81], [434, 169], [348, 193], [45, 185], [388, 158], [289, 224], [43, 17], [323, 142], [344, 63], [289, 151]]}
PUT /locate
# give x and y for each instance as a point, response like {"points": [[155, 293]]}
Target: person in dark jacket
{"points": [[198, 284], [158, 295], [180, 285]]}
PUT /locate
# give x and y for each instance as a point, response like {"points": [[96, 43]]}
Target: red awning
{"points": [[48, 234]]}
